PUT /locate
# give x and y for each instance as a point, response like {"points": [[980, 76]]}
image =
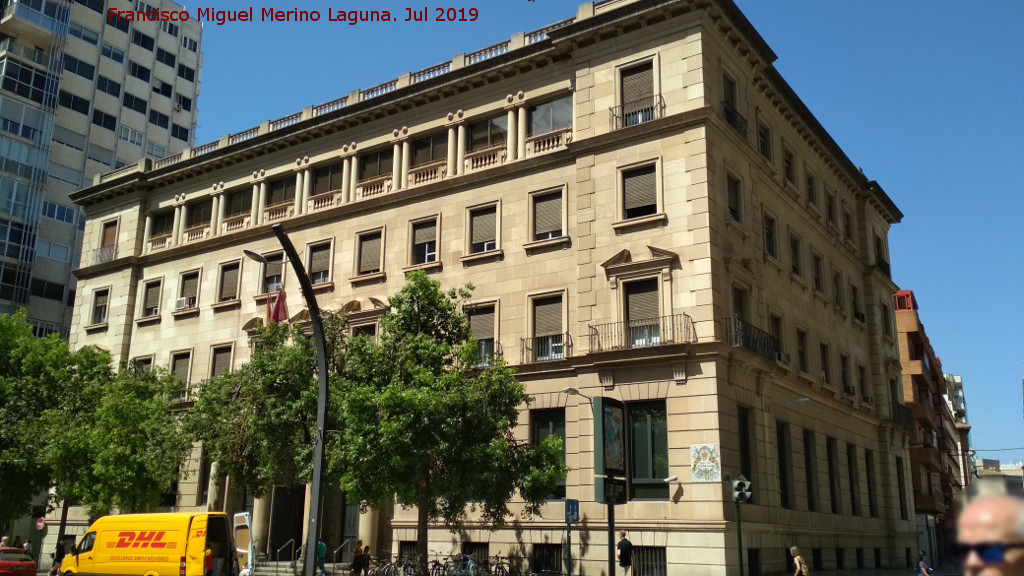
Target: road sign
{"points": [[41, 524], [572, 512]]}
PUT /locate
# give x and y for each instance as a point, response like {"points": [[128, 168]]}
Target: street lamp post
{"points": [[322, 378], [611, 519]]}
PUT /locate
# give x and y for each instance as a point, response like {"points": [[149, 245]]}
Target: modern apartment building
{"points": [[936, 456], [80, 94], [965, 453], [657, 228]]}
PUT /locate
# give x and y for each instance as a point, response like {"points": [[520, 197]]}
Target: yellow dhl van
{"points": [[166, 544]]}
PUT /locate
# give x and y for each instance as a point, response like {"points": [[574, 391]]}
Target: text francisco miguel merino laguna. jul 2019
{"points": [[350, 17]]}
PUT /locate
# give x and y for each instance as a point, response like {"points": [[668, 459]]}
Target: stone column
{"points": [[521, 138], [263, 202], [221, 212], [298, 193], [346, 179], [510, 138], [214, 214], [260, 530], [182, 226], [148, 233], [214, 499], [460, 150], [400, 165], [175, 225], [453, 161], [254, 205], [355, 178], [307, 188]]}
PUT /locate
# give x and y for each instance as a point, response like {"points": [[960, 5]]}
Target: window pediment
{"points": [[622, 265]]}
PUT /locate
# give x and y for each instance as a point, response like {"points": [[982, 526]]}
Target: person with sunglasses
{"points": [[991, 537]]}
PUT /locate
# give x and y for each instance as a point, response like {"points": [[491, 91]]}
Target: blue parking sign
{"points": [[572, 512]]}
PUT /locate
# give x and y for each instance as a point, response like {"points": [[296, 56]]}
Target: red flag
{"points": [[279, 313]]}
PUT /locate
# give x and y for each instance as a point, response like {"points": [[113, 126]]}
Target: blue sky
{"points": [[927, 97]]}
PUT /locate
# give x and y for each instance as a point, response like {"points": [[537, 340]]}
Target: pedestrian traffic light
{"points": [[740, 490]]}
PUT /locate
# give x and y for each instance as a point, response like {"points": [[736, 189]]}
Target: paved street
{"points": [[945, 570]]}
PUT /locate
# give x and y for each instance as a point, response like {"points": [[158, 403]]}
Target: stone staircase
{"points": [[294, 568]]}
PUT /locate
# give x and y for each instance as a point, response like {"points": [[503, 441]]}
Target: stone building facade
{"points": [[649, 215]]}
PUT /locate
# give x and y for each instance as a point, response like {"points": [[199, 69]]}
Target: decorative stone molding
{"points": [[400, 134], [455, 118], [258, 176]]}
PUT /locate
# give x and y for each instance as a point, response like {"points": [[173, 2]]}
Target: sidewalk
{"points": [[944, 570]]}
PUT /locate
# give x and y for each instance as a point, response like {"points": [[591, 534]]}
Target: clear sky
{"points": [[927, 97]]}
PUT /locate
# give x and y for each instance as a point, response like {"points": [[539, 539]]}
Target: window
{"points": [[162, 224], [94, 5], [48, 290], [186, 73], [784, 464], [488, 133], [87, 34], [735, 198], [155, 150], [104, 84], [29, 82], [188, 292], [430, 149], [739, 302], [853, 469], [320, 263], [547, 215], [869, 463], [183, 102], [862, 381], [375, 164], [838, 290], [100, 154], [112, 52], [104, 120], [180, 364], [131, 135], [745, 430], [369, 253], [550, 116], [826, 363], [72, 102], [549, 422], [57, 212], [140, 39], [199, 214], [819, 273], [189, 44], [53, 251], [481, 327], [650, 560], [325, 178], [642, 313], [801, 351], [161, 120], [100, 299], [165, 57], [228, 289], [424, 242], [220, 360], [788, 168], [76, 66], [764, 141], [151, 299], [87, 543], [547, 559], [855, 303], [844, 374], [886, 320], [115, 20], [648, 450], [281, 191], [847, 225], [811, 469], [135, 103], [832, 451], [830, 209], [169, 28], [640, 192], [796, 255], [483, 229], [811, 188], [163, 88], [139, 71], [775, 329], [239, 202], [179, 132], [771, 247], [547, 329], [637, 89], [273, 274]]}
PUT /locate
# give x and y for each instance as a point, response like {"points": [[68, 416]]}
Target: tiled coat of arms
{"points": [[705, 463]]}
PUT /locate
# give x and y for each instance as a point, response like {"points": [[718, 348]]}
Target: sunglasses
{"points": [[988, 552]]}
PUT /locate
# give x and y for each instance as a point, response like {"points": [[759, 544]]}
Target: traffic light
{"points": [[740, 490]]}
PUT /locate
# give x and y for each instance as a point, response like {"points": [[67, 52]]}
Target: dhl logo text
{"points": [[140, 540]]}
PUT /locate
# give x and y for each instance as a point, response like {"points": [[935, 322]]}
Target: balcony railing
{"points": [[487, 350], [745, 335], [323, 201], [546, 348], [36, 55], [486, 158], [734, 118], [638, 111], [38, 18], [159, 242], [197, 232], [428, 173], [104, 254], [236, 222], [374, 186], [279, 211], [902, 416], [642, 333], [547, 142]]}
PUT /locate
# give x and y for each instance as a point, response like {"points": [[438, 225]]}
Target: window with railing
{"points": [[273, 274], [745, 335], [488, 133], [374, 164], [430, 149], [281, 191], [481, 328], [639, 103], [546, 559], [327, 178], [548, 342]]}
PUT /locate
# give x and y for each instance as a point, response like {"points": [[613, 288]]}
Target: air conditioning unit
{"points": [[783, 357], [152, 311], [177, 107], [849, 390], [867, 399], [185, 303]]}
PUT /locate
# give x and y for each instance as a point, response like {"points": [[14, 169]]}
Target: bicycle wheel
{"points": [[500, 570]]}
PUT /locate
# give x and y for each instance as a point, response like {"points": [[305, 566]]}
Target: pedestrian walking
{"points": [[58, 557], [357, 559], [923, 569], [321, 556], [800, 564], [991, 537], [625, 554]]}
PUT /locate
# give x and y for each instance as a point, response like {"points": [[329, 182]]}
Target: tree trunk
{"points": [[422, 519]]}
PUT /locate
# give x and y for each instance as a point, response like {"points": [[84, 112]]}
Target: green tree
{"points": [[257, 423], [421, 421]]}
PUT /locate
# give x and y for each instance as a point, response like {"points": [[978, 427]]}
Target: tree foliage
{"points": [[258, 422], [423, 422]]}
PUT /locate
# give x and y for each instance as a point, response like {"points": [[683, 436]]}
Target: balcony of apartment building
{"points": [[929, 503], [902, 416], [926, 456], [34, 21], [639, 333], [742, 334], [11, 47]]}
